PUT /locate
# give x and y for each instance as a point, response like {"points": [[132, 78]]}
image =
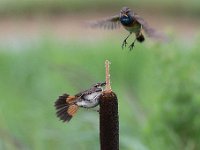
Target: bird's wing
{"points": [[80, 94], [86, 92], [151, 32], [108, 23]]}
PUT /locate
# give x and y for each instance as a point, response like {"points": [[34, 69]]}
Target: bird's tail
{"points": [[140, 38], [65, 107]]}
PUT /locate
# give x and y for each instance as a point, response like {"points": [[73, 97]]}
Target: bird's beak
{"points": [[103, 84], [124, 14]]}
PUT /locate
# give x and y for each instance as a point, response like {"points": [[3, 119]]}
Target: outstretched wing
{"points": [[108, 23], [151, 32]]}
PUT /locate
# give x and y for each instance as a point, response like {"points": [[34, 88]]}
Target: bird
{"points": [[66, 105], [132, 22]]}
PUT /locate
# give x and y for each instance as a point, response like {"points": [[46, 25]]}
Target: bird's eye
{"points": [[96, 85]]}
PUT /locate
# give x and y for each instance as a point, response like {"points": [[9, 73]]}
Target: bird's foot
{"points": [[124, 44], [131, 46]]}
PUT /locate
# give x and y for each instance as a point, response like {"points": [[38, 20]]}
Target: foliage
{"points": [[157, 87]]}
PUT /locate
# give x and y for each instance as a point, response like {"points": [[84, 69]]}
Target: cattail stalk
{"points": [[109, 124], [108, 86]]}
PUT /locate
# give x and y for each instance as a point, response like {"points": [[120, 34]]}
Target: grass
{"points": [[157, 88]]}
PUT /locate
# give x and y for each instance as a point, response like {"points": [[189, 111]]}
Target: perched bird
{"points": [[132, 22], [66, 105]]}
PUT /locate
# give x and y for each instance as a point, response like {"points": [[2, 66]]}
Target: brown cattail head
{"points": [[109, 124]]}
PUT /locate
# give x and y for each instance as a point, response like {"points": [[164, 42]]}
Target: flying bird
{"points": [[132, 22], [67, 106]]}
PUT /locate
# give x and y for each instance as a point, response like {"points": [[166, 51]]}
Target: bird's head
{"points": [[99, 84], [126, 12]]}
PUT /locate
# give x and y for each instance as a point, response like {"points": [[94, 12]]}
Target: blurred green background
{"points": [[45, 52]]}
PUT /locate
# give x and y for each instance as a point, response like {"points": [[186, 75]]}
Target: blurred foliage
{"points": [[157, 87], [27, 7]]}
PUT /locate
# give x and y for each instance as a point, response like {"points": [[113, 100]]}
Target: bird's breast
{"points": [[90, 100], [126, 20], [134, 28]]}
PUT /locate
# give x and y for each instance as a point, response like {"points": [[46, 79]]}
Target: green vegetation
{"points": [[157, 87]]}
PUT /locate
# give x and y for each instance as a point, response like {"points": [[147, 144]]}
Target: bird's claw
{"points": [[131, 46], [124, 44]]}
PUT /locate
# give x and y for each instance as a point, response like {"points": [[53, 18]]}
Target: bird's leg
{"points": [[132, 45], [124, 42]]}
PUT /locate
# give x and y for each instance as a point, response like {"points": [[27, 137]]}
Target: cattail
{"points": [[109, 124]]}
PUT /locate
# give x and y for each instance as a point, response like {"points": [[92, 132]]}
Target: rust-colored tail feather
{"points": [[72, 109], [65, 107]]}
